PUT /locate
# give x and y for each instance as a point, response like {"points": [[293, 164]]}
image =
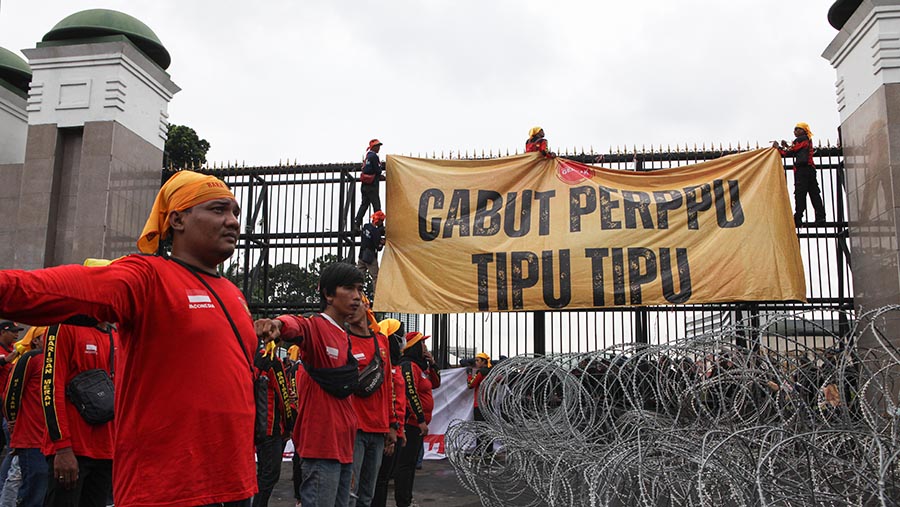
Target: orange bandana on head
{"points": [[184, 190]]}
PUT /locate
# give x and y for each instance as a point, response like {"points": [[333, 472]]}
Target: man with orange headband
{"points": [[371, 243], [183, 427], [804, 173]]}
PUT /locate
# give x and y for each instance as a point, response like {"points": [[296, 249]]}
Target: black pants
{"points": [[405, 474], [481, 444], [805, 183], [269, 451], [91, 490], [297, 475], [369, 197], [385, 474]]}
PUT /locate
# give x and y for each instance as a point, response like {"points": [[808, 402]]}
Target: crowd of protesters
{"points": [[353, 395]]}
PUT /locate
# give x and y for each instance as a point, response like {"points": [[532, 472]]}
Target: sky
{"points": [[312, 81]]}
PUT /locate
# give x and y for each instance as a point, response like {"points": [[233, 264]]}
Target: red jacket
{"points": [[72, 351], [375, 412], [535, 146], [419, 398], [802, 150], [23, 402], [474, 382]]}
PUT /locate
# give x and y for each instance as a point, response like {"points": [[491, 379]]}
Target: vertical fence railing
{"points": [[299, 217]]}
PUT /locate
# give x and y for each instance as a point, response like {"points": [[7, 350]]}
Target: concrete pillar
{"points": [[866, 56], [97, 127]]}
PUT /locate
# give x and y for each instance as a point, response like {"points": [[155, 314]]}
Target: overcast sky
{"points": [[315, 80]]}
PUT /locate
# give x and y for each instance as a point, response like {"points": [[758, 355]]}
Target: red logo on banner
{"points": [[572, 173], [434, 443]]}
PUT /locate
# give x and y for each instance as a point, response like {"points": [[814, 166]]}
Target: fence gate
{"points": [[297, 218]]}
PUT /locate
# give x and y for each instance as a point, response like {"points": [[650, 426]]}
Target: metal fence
{"points": [[297, 218]]}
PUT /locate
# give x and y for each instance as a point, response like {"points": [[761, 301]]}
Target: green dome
{"points": [[102, 22], [14, 70]]}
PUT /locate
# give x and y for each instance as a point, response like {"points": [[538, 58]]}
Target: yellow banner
{"points": [[532, 233]]}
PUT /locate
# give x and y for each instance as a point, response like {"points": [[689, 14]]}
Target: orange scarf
{"points": [[184, 190]]}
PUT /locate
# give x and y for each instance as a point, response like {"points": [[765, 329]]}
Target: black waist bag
{"points": [[372, 376], [339, 382], [91, 392]]}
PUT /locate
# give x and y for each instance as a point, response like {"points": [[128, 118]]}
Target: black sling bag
{"points": [[91, 391], [339, 382]]}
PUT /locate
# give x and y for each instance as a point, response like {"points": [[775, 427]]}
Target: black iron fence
{"points": [[297, 218]]}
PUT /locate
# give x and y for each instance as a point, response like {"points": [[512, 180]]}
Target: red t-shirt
{"points": [[374, 412], [28, 414], [73, 350], [184, 422], [326, 426]]}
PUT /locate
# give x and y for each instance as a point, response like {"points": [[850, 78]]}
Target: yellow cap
{"points": [[484, 356], [389, 326], [805, 127], [534, 131]]}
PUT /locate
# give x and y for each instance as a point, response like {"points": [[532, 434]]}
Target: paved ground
{"points": [[436, 485]]}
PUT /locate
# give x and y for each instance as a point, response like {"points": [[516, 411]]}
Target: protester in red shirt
{"points": [[392, 328], [421, 376], [537, 143], [79, 454], [280, 418], [23, 410], [326, 426], [183, 426], [805, 182], [479, 371], [378, 423], [9, 333]]}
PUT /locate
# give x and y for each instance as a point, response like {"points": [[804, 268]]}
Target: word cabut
{"points": [[488, 213]]}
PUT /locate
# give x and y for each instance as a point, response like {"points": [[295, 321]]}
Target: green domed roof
{"points": [[102, 22], [14, 70]]}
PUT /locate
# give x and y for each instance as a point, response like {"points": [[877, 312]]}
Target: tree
{"points": [[288, 283], [184, 148]]}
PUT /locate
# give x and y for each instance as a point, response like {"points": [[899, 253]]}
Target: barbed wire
{"points": [[700, 422]]}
